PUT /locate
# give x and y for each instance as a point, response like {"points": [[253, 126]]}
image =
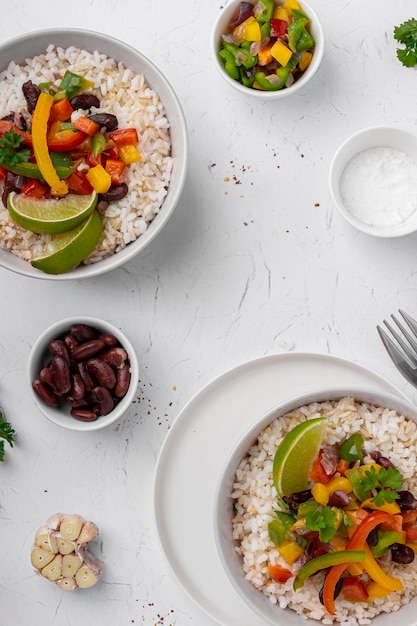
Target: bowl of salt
{"points": [[372, 181]]}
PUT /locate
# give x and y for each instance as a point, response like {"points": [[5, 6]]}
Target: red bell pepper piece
{"points": [[61, 111], [317, 472], [411, 534], [125, 136], [34, 189], [115, 168], [356, 542], [3, 172], [354, 589], [409, 518], [63, 141], [78, 183], [278, 28], [112, 152], [93, 160], [279, 574], [86, 125]]}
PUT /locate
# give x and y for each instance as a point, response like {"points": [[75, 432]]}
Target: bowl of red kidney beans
{"points": [[83, 373]]}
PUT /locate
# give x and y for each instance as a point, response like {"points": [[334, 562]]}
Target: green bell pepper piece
{"points": [[327, 560], [265, 29], [263, 82], [267, 13], [98, 144], [299, 39], [355, 476], [351, 449], [71, 84], [230, 66], [306, 507], [31, 170], [385, 539], [249, 60], [246, 78], [277, 532]]}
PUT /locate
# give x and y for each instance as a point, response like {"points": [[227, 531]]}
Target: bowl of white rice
{"points": [[246, 502], [129, 86]]}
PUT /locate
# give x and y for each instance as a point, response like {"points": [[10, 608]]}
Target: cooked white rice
{"points": [[126, 95], [255, 496]]}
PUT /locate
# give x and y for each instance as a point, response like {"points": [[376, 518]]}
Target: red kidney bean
{"points": [[61, 372], [104, 400], [77, 386], [83, 332], [57, 346], [87, 349], [45, 393], [114, 356], [70, 342], [102, 371], [122, 380], [84, 415], [87, 379], [47, 376], [109, 340], [82, 403]]}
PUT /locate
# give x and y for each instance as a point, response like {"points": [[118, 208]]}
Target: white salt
{"points": [[378, 187]]}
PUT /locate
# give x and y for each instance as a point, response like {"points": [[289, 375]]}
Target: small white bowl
{"points": [[375, 137], [257, 602], [31, 44], [220, 27], [39, 357]]}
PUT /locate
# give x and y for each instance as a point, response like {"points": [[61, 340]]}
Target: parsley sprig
{"points": [[9, 149], [387, 482], [7, 433], [406, 34], [323, 520]]}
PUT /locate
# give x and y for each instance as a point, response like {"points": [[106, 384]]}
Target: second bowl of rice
{"points": [[246, 502], [130, 86]]}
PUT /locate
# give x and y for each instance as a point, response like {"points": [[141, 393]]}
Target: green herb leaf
{"points": [[370, 480], [406, 34], [9, 155], [390, 477], [7, 433], [324, 521], [385, 495]]}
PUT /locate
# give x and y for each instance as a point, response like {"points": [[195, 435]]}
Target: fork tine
{"points": [[411, 355], [398, 357], [412, 323]]}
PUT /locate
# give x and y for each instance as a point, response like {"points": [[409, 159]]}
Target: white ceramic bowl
{"points": [[39, 357], [375, 137], [271, 614], [220, 27], [30, 44]]}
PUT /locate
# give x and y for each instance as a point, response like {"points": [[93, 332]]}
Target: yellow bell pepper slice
{"points": [[99, 179], [339, 483], [252, 30], [129, 154], [388, 507], [282, 14], [40, 146], [377, 574], [376, 591], [320, 493], [305, 60], [290, 551], [292, 4], [281, 53]]}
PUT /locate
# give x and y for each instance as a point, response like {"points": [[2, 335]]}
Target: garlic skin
{"points": [[60, 552]]}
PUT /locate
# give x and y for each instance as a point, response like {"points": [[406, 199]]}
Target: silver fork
{"points": [[402, 345]]}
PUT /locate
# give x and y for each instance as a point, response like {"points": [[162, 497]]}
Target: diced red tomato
{"points": [[34, 189], [115, 168], [78, 183], [125, 136], [278, 28], [317, 473], [411, 533], [409, 518], [279, 574], [354, 589]]}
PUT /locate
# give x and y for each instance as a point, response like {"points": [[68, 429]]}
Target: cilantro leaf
{"points": [[385, 496], [390, 477], [9, 153], [406, 34], [324, 521], [370, 480], [7, 433]]}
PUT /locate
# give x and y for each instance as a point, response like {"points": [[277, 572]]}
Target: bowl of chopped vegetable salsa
{"points": [[93, 153], [315, 512], [269, 48]]}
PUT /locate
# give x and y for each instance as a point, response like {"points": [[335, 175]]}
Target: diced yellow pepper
{"points": [[305, 60], [290, 551], [388, 507], [338, 543], [355, 569], [282, 14], [252, 30], [339, 483], [281, 53], [320, 493], [376, 591], [99, 179], [292, 4], [129, 154]]}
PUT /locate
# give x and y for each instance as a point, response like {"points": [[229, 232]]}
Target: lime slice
{"points": [[49, 216], [295, 455], [67, 250]]}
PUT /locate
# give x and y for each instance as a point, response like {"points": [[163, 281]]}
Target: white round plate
{"points": [[196, 448]]}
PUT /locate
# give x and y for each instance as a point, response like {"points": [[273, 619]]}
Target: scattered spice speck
{"points": [[316, 204], [226, 179]]}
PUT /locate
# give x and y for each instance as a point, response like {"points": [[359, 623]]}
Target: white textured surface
{"points": [[254, 262]]}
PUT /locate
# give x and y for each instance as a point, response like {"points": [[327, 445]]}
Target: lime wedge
{"points": [[67, 250], [49, 216], [295, 455]]}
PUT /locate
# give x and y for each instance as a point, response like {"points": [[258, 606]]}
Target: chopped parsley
{"points": [[387, 482], [10, 154], [406, 34], [7, 433], [324, 521]]}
